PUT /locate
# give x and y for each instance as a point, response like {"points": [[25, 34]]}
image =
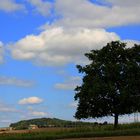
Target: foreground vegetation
{"points": [[61, 133]]}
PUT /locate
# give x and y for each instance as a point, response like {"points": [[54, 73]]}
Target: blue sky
{"points": [[42, 41]]}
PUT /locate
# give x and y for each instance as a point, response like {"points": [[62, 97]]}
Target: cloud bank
{"points": [[75, 32], [83, 13], [59, 46]]}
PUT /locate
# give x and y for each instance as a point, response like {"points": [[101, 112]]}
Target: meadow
{"points": [[132, 129]]}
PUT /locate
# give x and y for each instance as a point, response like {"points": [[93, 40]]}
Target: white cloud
{"points": [[42, 7], [38, 113], [30, 108], [129, 118], [69, 84], [1, 52], [5, 121], [124, 2], [83, 13], [7, 108], [73, 105], [79, 30], [15, 82], [130, 43], [30, 100], [59, 46], [10, 6]]}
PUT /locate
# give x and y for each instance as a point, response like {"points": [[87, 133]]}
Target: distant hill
{"points": [[48, 122]]}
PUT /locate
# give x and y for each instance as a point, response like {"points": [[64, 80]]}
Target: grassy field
{"points": [[63, 133], [108, 138]]}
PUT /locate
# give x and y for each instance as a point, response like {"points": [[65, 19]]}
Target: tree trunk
{"points": [[116, 120]]}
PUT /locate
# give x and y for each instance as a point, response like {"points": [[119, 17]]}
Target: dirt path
{"points": [[111, 138]]}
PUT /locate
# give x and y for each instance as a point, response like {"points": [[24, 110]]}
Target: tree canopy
{"points": [[111, 82]]}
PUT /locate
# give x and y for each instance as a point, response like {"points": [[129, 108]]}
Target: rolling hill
{"points": [[48, 122]]}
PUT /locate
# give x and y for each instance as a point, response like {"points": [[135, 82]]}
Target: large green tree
{"points": [[111, 82]]}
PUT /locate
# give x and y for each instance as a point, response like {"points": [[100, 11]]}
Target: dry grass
{"points": [[55, 129]]}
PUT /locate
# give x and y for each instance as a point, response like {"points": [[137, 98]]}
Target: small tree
{"points": [[111, 82]]}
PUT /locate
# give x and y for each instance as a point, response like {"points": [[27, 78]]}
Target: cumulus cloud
{"points": [[69, 84], [59, 46], [10, 6], [78, 30], [30, 100], [42, 7], [15, 82]]}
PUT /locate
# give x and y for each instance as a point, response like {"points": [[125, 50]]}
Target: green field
{"points": [[60, 133]]}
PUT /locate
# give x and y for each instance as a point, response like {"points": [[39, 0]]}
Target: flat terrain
{"points": [[56, 129], [110, 138], [127, 132]]}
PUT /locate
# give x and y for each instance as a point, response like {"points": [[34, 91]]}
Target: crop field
{"points": [[98, 132]]}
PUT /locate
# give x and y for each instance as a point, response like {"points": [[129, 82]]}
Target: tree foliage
{"points": [[111, 82]]}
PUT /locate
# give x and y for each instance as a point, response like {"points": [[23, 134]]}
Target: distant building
{"points": [[50, 125], [32, 127], [10, 128], [6, 129]]}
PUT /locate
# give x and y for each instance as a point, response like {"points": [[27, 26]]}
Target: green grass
{"points": [[96, 131]]}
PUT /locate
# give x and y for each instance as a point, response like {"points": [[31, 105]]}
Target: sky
{"points": [[41, 41]]}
